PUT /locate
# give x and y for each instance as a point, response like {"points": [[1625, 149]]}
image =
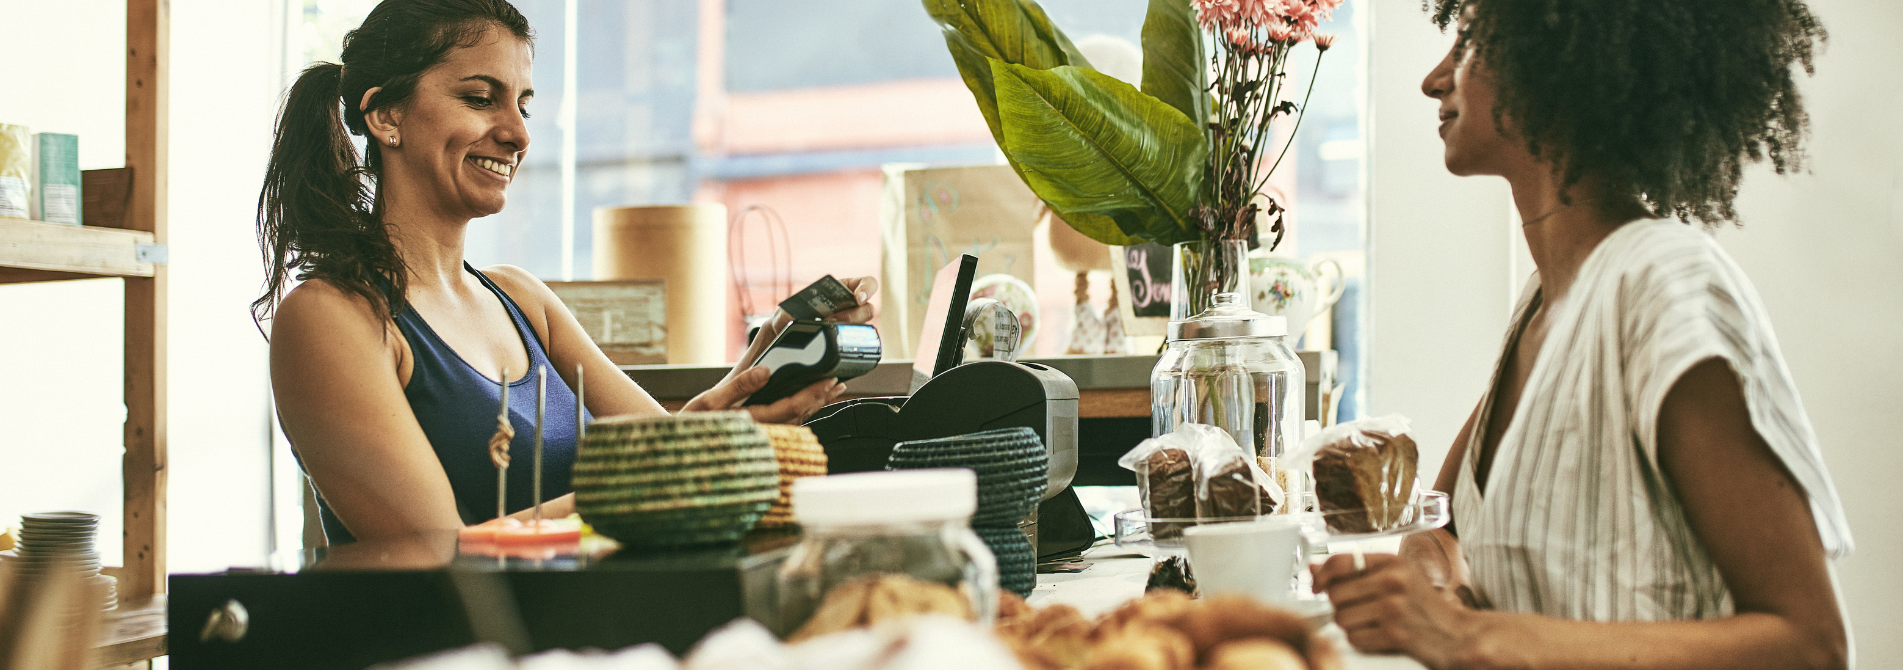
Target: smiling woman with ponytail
{"points": [[389, 353]]}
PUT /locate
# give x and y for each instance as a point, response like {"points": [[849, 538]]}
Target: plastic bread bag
{"points": [[1229, 482], [1365, 473], [1166, 480]]}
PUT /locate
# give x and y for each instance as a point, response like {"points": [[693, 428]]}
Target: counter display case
{"points": [[354, 605]]}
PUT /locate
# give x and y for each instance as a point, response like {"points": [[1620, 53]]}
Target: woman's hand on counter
{"points": [[735, 389], [1392, 607]]}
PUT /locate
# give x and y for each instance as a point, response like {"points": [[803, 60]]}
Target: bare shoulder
{"points": [[318, 303], [527, 290], [320, 314]]}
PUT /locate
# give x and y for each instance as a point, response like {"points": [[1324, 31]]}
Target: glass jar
{"points": [[1231, 367], [1202, 270], [914, 523]]}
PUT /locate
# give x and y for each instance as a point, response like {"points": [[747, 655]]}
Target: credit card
{"points": [[818, 301]]}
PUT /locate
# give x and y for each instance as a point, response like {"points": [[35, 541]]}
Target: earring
{"points": [[392, 140]]}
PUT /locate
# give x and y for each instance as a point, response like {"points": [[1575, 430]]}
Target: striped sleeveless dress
{"points": [[1577, 520]]}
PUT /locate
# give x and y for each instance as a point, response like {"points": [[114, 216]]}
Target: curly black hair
{"points": [[1666, 98]]}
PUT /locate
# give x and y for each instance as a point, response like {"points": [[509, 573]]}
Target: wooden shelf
{"points": [[39, 251], [135, 632]]}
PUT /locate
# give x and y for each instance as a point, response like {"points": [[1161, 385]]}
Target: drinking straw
{"points": [[499, 450], [541, 404]]}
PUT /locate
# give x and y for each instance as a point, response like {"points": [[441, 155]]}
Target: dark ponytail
{"points": [[319, 215]]}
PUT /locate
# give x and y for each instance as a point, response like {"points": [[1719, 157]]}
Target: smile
{"points": [[492, 165]]}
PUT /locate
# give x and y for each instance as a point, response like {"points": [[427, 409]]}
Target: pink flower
{"points": [[1264, 12], [1304, 19], [1324, 40], [1327, 7], [1211, 13], [1279, 32], [1239, 38]]}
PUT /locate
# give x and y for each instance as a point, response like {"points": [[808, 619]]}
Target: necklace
{"points": [[1553, 211]]}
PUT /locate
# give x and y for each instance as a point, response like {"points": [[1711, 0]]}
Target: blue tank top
{"points": [[456, 406]]}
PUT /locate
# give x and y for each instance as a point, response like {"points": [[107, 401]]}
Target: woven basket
{"points": [[1012, 466], [662, 481], [799, 455], [1017, 562]]}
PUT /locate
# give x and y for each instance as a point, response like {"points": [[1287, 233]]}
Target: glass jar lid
{"points": [[1228, 316], [877, 498]]}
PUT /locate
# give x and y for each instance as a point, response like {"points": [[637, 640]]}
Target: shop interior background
{"points": [[795, 105]]}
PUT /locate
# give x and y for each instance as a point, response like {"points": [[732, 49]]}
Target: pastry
{"points": [[1053, 637], [843, 609], [1143, 647], [1011, 607], [1162, 606], [872, 599], [1256, 653], [1165, 630], [1171, 491], [1230, 490], [1224, 618], [1365, 481]]}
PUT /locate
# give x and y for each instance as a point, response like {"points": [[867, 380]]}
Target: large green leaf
{"points": [[1175, 66], [1013, 31], [1049, 33], [1086, 142], [1099, 227]]}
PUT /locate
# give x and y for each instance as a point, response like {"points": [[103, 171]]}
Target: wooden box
{"points": [[627, 318]]}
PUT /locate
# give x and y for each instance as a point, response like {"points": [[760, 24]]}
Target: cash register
{"points": [[953, 396]]}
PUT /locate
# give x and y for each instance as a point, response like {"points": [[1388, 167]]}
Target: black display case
{"points": [[355, 605]]}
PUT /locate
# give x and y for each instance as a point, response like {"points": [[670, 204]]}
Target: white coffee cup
{"points": [[1252, 558]]}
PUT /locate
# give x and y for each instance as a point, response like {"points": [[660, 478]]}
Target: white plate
{"points": [[1430, 510], [1134, 530]]}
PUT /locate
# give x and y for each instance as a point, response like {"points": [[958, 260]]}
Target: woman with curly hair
{"points": [[1640, 487]]}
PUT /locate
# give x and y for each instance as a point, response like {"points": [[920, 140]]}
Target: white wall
{"points": [[61, 402], [1825, 250], [226, 75], [1440, 256]]}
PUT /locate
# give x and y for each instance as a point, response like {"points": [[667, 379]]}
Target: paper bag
{"points": [[929, 217]]}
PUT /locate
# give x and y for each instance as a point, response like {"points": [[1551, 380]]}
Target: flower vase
{"points": [[1200, 270]]}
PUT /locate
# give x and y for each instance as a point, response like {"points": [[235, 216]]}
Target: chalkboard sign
{"points": [[1143, 284], [1148, 268]]}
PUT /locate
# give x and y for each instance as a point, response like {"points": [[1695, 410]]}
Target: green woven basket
{"points": [[1011, 463], [1017, 563], [675, 481]]}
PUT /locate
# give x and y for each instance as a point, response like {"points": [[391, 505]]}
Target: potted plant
{"points": [[1181, 160]]}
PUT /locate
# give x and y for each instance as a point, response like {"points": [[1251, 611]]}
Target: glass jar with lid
{"points": [[914, 523], [1231, 367]]}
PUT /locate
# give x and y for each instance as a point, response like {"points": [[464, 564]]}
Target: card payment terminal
{"points": [[810, 349]]}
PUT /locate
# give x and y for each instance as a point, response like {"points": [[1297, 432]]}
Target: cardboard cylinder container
{"points": [[685, 246]]}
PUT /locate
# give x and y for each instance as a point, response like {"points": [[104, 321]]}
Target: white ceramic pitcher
{"points": [[1284, 286]]}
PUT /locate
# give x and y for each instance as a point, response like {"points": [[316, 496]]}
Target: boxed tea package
{"points": [[55, 163]]}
